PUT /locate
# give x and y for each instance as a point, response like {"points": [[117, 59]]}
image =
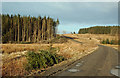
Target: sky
{"points": [[72, 15], [59, 0]]}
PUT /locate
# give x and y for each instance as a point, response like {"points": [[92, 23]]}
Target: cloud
{"points": [[91, 13], [60, 0]]}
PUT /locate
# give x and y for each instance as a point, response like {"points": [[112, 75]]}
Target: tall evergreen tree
{"points": [[39, 29], [29, 28], [22, 28], [18, 27], [43, 28], [15, 27]]}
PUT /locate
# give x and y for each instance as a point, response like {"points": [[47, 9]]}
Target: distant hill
{"points": [[112, 30]]}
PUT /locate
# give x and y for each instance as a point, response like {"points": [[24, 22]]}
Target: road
{"points": [[98, 63]]}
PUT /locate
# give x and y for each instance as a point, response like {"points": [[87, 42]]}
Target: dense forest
{"points": [[112, 30], [16, 28]]}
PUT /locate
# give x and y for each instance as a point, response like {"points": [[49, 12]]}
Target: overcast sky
{"points": [[72, 15]]}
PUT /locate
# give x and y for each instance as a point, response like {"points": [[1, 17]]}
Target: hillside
{"points": [[112, 30]]}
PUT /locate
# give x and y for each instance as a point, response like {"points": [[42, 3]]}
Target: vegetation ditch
{"points": [[42, 59], [112, 42]]}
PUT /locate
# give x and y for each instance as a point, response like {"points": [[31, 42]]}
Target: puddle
{"points": [[78, 64], [115, 72], [73, 70], [117, 67], [82, 61]]}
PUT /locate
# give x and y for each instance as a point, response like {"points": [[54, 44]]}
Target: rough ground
{"points": [[76, 47]]}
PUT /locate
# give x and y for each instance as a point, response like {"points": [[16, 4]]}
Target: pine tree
{"points": [[15, 27], [29, 26], [43, 28], [51, 28], [48, 28], [107, 41], [39, 29], [34, 29], [112, 42], [103, 42], [18, 27], [22, 28], [119, 42], [11, 28]]}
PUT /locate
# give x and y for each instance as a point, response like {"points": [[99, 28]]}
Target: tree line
{"points": [[112, 30], [16, 28]]}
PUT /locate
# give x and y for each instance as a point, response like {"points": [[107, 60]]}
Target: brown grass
{"points": [[10, 48], [14, 67], [99, 36], [13, 61]]}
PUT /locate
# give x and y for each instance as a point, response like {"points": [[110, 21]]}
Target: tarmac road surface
{"points": [[98, 63]]}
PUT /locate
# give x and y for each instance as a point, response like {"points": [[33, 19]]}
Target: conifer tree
{"points": [[25, 28]]}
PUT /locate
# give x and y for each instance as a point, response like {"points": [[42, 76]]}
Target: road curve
{"points": [[98, 63]]}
